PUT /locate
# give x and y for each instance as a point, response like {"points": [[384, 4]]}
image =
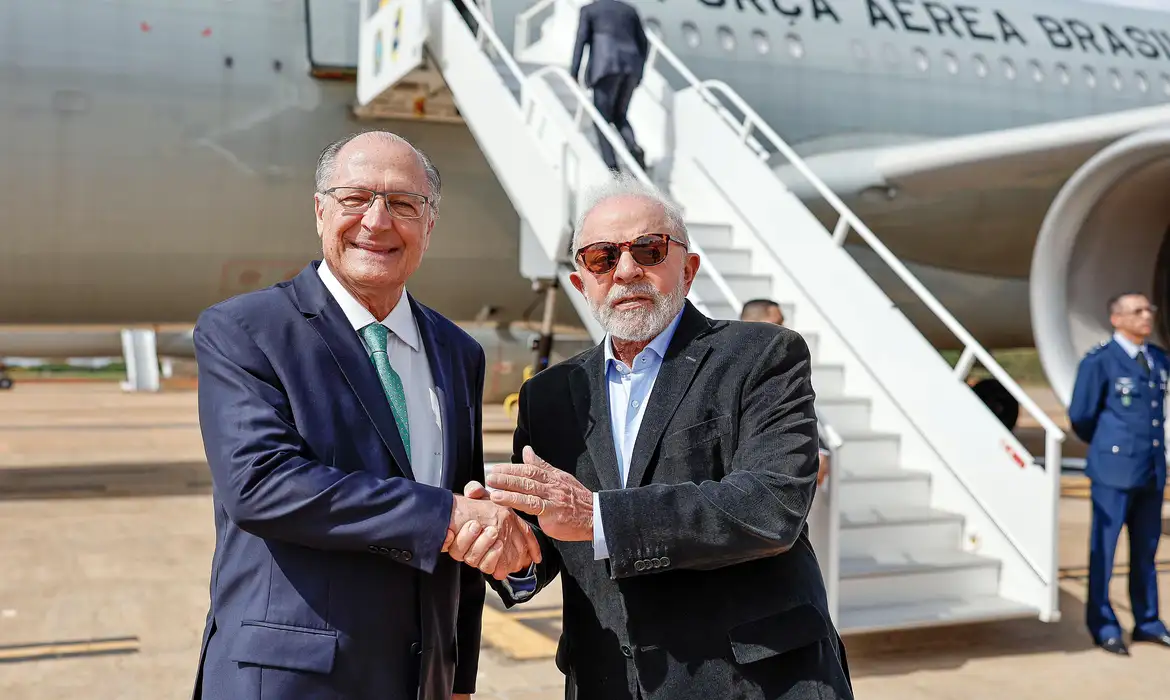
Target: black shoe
{"points": [[1114, 645], [1163, 639]]}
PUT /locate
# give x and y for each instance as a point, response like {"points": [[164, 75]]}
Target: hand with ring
{"points": [[564, 508]]}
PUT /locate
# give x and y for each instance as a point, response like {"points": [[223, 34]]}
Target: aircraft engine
{"points": [[1105, 233]]}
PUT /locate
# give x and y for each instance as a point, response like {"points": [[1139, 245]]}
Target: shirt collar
{"points": [[400, 321], [658, 345], [1128, 345]]}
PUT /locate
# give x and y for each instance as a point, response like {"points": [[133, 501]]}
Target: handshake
{"points": [[488, 536], [486, 533]]}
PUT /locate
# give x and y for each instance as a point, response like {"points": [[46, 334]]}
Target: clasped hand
{"points": [[488, 536]]}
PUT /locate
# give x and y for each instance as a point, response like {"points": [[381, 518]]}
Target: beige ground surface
{"points": [[120, 553]]}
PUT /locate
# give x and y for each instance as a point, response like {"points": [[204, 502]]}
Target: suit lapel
{"points": [[684, 356], [326, 317], [435, 346], [590, 395]]}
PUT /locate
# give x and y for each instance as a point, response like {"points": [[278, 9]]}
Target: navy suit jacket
{"points": [[617, 42], [327, 579], [1118, 410]]}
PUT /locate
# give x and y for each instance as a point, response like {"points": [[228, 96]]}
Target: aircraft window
{"points": [[1037, 71], [795, 45], [890, 54], [1090, 77], [1063, 74], [951, 61], [859, 51], [726, 38], [980, 66], [1143, 83], [1115, 78], [691, 34], [760, 40], [921, 60], [1009, 69], [654, 26]]}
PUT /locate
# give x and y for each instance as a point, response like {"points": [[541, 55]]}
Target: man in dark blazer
{"points": [[617, 55], [670, 470], [338, 414], [1118, 407]]}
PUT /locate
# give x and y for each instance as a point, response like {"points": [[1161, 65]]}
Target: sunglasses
{"points": [[648, 250]]}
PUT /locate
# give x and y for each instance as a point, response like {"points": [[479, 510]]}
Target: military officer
{"points": [[1117, 407]]}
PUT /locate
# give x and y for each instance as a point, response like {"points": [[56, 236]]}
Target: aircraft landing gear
{"points": [[5, 380], [999, 400]]}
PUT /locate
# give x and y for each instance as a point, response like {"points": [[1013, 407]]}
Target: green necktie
{"points": [[375, 336]]}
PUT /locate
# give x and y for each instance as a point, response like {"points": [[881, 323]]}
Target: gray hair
{"points": [[626, 185], [327, 163]]}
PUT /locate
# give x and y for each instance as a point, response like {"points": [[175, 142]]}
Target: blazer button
{"points": [[665, 561], [395, 553], [656, 563], [373, 548], [1115, 449], [415, 648], [639, 565], [627, 652], [406, 555], [1155, 443]]}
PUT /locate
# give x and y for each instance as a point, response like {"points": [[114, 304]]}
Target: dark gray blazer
{"points": [[617, 42], [712, 589]]}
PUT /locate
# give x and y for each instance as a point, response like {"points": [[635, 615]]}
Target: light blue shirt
{"points": [[1132, 350], [629, 391]]}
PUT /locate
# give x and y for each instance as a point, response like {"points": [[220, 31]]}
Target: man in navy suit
{"points": [[617, 55], [1117, 407], [338, 415]]}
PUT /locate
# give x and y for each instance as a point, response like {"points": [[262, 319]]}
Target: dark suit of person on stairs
{"points": [[617, 55]]}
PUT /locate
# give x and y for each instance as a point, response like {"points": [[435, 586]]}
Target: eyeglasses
{"points": [[1151, 310], [648, 250], [358, 200]]}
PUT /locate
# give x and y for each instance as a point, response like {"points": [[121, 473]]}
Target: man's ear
{"points": [[319, 211], [578, 281]]}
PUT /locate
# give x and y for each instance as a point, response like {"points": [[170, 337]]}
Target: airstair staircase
{"points": [[936, 514]]}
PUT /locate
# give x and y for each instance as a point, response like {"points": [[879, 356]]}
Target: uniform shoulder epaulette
{"points": [[1098, 348]]}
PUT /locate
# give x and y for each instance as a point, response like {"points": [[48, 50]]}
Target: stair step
{"points": [[870, 531], [744, 287], [712, 235], [856, 619], [719, 309], [845, 413], [729, 261], [862, 449], [898, 578], [828, 380], [877, 488]]}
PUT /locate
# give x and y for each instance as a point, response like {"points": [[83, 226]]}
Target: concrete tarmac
{"points": [[107, 541]]}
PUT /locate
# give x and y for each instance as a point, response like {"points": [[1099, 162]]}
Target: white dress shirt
{"points": [[409, 359]]}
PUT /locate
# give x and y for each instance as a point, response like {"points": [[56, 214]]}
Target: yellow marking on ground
{"points": [[505, 632], [29, 652], [545, 614]]}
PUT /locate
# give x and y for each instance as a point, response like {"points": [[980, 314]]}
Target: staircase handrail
{"points": [[585, 105], [972, 349]]}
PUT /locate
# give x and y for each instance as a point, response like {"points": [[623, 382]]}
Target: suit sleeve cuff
{"points": [[600, 550], [521, 587]]}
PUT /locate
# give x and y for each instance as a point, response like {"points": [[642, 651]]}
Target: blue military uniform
{"points": [[1118, 408]]}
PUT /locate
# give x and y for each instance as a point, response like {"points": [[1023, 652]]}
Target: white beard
{"points": [[638, 325]]}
